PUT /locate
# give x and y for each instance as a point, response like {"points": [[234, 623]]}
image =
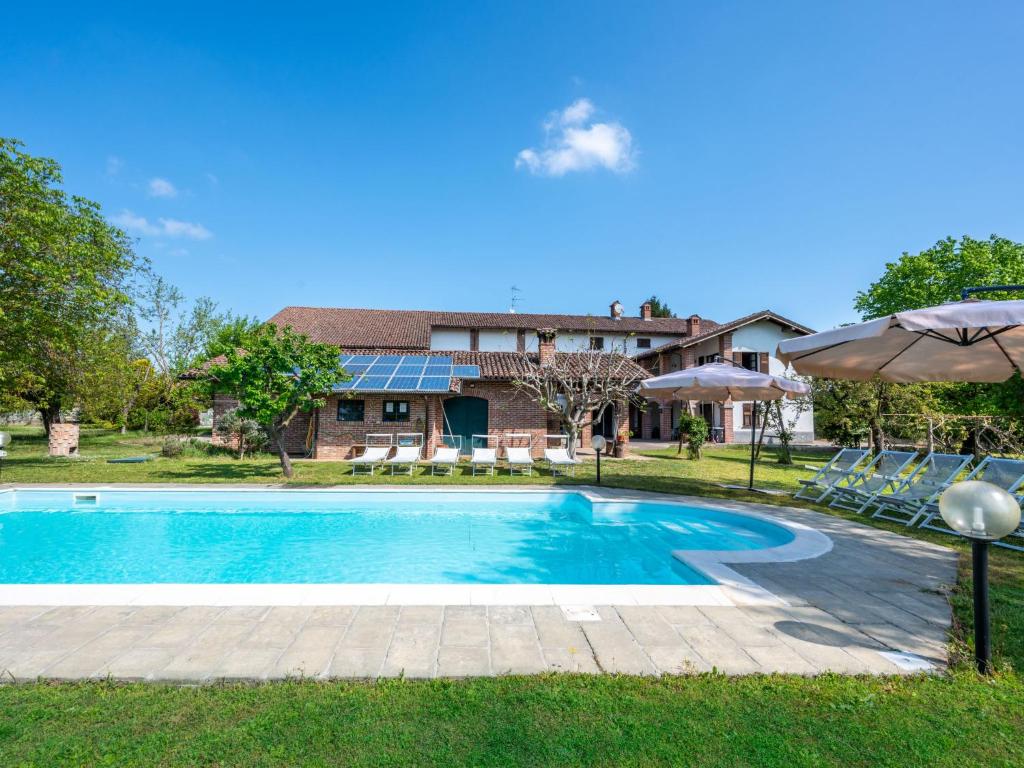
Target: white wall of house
{"points": [[576, 341], [497, 341], [450, 339], [764, 336]]}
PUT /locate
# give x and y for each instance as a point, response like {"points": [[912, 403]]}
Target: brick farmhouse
{"points": [[499, 343]]}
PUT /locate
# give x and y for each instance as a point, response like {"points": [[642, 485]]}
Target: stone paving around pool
{"points": [[874, 594]]}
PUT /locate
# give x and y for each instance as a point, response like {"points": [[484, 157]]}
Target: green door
{"points": [[465, 416]]}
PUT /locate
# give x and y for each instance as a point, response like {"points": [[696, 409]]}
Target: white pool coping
{"points": [[731, 589]]}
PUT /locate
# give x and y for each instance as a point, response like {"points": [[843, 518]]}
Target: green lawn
{"points": [[568, 720]]}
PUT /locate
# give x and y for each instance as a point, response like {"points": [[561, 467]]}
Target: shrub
{"points": [[696, 431]]}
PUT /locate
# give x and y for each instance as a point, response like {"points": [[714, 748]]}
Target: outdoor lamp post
{"points": [[984, 513], [597, 442]]}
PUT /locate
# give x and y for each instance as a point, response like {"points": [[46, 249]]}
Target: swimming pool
{"points": [[365, 537]]}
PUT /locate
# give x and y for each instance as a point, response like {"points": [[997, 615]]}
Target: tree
{"points": [[659, 308], [847, 412], [245, 434], [783, 421], [276, 375], [64, 278], [938, 274], [577, 387]]}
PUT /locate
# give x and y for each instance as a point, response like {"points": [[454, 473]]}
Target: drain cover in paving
{"points": [[580, 613], [907, 661]]}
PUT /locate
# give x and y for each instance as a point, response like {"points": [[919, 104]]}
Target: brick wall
{"points": [[509, 410], [336, 438]]}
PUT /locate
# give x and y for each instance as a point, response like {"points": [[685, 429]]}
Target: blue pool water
{"points": [[424, 537]]}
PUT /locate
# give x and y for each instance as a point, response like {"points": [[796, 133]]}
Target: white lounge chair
{"points": [[1008, 474], [484, 459], [405, 456], [840, 469], [560, 462], [921, 487], [371, 457], [883, 474], [519, 461], [444, 458]]}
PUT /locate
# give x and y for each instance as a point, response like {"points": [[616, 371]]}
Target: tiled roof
{"points": [[494, 366], [410, 329], [720, 328]]}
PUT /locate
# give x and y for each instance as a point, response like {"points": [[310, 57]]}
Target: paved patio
{"points": [[875, 593]]}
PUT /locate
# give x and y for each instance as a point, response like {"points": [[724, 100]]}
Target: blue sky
{"points": [[726, 156]]}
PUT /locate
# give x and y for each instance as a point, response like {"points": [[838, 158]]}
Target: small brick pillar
{"points": [[63, 439], [546, 345], [667, 424]]}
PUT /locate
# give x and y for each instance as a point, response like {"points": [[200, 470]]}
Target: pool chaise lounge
{"points": [[883, 474], [444, 459], [371, 457], [406, 456], [923, 486], [519, 461], [484, 459], [560, 462], [838, 471]]}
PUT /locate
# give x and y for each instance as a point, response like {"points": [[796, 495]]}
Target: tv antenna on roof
{"points": [[515, 299]]}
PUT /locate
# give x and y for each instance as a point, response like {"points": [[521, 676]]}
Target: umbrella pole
{"points": [[753, 432]]}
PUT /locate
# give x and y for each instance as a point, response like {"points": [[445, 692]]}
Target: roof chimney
{"points": [[693, 325], [616, 310], [645, 311], [546, 345]]}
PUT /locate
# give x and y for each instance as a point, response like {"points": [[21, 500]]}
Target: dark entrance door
{"points": [[605, 426], [465, 416]]}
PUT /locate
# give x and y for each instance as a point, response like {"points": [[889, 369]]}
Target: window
{"points": [[351, 410], [747, 412], [396, 410], [643, 343], [703, 359], [597, 342], [750, 360]]}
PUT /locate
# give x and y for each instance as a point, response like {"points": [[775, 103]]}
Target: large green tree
{"points": [[275, 376], [64, 279], [659, 308], [938, 274]]}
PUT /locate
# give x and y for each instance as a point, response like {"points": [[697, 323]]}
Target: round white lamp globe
{"points": [[597, 442], [979, 510]]}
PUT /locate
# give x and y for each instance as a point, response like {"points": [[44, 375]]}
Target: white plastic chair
{"points": [[519, 461], [371, 457], [444, 458], [405, 456], [560, 462]]}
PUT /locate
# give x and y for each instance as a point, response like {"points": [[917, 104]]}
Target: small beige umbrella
{"points": [[719, 382]]}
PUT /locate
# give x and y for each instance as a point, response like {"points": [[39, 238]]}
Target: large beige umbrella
{"points": [[971, 340], [718, 382]]}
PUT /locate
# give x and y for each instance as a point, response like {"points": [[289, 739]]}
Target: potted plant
{"points": [[621, 440]]}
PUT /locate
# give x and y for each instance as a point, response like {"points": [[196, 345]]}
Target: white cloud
{"points": [[573, 142], [132, 222], [162, 188]]}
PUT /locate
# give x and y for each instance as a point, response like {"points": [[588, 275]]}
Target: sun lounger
{"points": [[883, 474], [444, 459], [484, 459], [840, 469], [519, 461], [405, 456], [1008, 474], [371, 457], [923, 486], [560, 462]]}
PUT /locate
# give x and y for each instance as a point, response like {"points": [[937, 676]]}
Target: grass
{"points": [[958, 719], [707, 720]]}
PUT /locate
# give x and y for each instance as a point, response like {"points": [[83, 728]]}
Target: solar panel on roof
{"points": [[435, 384], [438, 370], [381, 369], [441, 360], [389, 359], [405, 383], [410, 370], [355, 370], [344, 385], [372, 382], [362, 359], [466, 371], [415, 359]]}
